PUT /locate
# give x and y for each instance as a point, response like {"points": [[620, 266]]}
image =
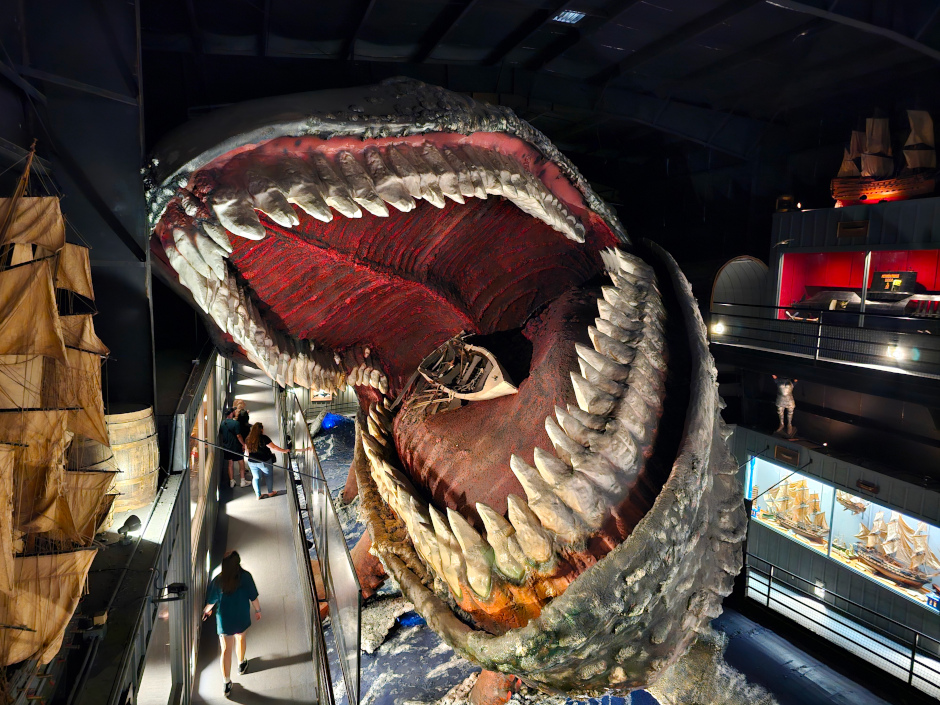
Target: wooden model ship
{"points": [[896, 551], [458, 370], [795, 508], [867, 174], [50, 390], [850, 502]]}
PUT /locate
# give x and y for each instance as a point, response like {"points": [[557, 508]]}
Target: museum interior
{"points": [[681, 257]]}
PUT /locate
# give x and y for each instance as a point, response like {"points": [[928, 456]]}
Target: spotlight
{"points": [[172, 592], [820, 589], [131, 525], [897, 352], [718, 328]]}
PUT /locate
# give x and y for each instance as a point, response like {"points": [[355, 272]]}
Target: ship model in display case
{"points": [[896, 551], [50, 391], [851, 502], [797, 509], [868, 173]]}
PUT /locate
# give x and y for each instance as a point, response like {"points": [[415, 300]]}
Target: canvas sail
{"points": [[921, 128], [21, 254], [46, 590], [21, 381], [36, 221], [76, 386], [857, 145], [849, 168], [877, 167], [6, 517], [877, 137], [920, 158], [73, 271], [29, 320], [85, 493], [78, 331]]}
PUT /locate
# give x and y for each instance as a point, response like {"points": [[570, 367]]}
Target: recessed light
{"points": [[568, 17]]}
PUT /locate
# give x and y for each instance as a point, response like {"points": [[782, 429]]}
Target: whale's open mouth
{"points": [[574, 533]]}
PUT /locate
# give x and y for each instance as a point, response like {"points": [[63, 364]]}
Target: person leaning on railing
{"points": [[261, 459]]}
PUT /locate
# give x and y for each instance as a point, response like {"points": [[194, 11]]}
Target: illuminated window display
{"points": [[894, 549]]}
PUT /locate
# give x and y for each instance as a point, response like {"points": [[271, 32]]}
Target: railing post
{"points": [[819, 336], [910, 673], [770, 581]]}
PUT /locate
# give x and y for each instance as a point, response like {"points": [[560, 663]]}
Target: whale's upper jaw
{"points": [[341, 237]]}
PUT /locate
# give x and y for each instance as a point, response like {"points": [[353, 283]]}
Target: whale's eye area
{"points": [[542, 469]]}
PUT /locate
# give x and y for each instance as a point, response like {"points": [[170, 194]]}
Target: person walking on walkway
{"points": [[232, 594], [231, 439], [261, 459]]}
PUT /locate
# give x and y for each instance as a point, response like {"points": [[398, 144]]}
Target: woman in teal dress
{"points": [[232, 594]]}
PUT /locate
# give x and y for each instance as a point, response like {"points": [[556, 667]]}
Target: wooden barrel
{"points": [[86, 454], [134, 444]]}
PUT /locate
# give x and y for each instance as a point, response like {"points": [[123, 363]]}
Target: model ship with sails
{"points": [[792, 506], [50, 391], [868, 173], [850, 502], [896, 551]]}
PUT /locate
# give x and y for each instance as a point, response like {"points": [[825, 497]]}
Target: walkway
{"points": [[280, 669]]}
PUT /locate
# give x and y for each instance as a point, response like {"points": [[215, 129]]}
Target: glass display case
{"points": [[898, 551]]}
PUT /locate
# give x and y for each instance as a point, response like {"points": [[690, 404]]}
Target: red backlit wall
{"points": [[804, 273]]}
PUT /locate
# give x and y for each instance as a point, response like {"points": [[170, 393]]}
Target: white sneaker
{"points": [[231, 483], [245, 482]]}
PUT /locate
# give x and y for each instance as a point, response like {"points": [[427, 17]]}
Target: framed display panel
{"points": [[794, 504], [899, 552]]}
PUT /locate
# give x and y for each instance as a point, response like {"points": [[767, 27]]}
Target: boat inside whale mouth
{"points": [[543, 464]]}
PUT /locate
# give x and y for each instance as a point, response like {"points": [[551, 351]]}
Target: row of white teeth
{"points": [[349, 183], [600, 447]]}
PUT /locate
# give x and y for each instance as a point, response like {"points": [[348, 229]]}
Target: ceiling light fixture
{"points": [[568, 17]]}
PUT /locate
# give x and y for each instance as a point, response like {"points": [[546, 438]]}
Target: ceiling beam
{"points": [[671, 41], [76, 85], [905, 40], [583, 31], [753, 52], [514, 39], [265, 31], [348, 50], [439, 29]]}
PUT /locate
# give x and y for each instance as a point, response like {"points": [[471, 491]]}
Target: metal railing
{"points": [[887, 644], [317, 514], [900, 344]]}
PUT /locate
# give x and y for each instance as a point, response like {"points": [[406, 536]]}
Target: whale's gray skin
{"points": [[630, 616]]}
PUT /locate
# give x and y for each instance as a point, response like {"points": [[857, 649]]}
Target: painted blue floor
{"points": [[414, 665]]}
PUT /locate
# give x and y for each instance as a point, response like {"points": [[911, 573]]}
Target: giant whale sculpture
{"points": [[579, 533]]}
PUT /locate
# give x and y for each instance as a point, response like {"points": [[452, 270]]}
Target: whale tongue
{"points": [[461, 456]]}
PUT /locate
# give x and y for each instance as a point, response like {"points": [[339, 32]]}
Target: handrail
{"points": [[780, 569], [321, 544], [865, 315]]}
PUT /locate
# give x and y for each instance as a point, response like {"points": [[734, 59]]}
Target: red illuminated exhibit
{"points": [[457, 352]]}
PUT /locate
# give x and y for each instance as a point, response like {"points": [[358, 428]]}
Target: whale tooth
{"points": [[477, 554], [620, 300], [613, 349], [352, 379], [361, 186], [388, 186], [574, 429], [564, 446], [459, 166], [335, 192], [376, 431], [430, 544], [304, 189], [572, 488], [532, 538], [430, 188], [485, 169], [499, 534], [591, 421], [372, 447], [267, 197], [446, 177], [185, 245], [189, 277], [551, 511], [410, 178], [449, 550], [600, 471], [603, 364], [214, 230], [375, 378], [236, 214], [595, 378], [381, 421], [590, 398]]}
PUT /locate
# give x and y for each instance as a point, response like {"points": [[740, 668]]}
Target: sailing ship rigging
{"points": [[868, 173], [50, 391], [795, 508], [850, 502], [896, 551]]}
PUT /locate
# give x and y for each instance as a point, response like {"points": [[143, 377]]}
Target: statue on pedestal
{"points": [[785, 405]]}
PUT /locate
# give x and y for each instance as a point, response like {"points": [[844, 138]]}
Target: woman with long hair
{"points": [[232, 593], [261, 459]]}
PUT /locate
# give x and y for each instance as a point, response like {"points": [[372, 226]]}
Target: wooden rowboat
{"points": [[464, 371]]}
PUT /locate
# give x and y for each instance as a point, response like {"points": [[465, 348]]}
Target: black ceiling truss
{"points": [[672, 40], [535, 21], [442, 26], [348, 50]]}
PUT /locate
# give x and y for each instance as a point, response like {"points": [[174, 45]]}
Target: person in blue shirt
{"points": [[232, 594]]}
